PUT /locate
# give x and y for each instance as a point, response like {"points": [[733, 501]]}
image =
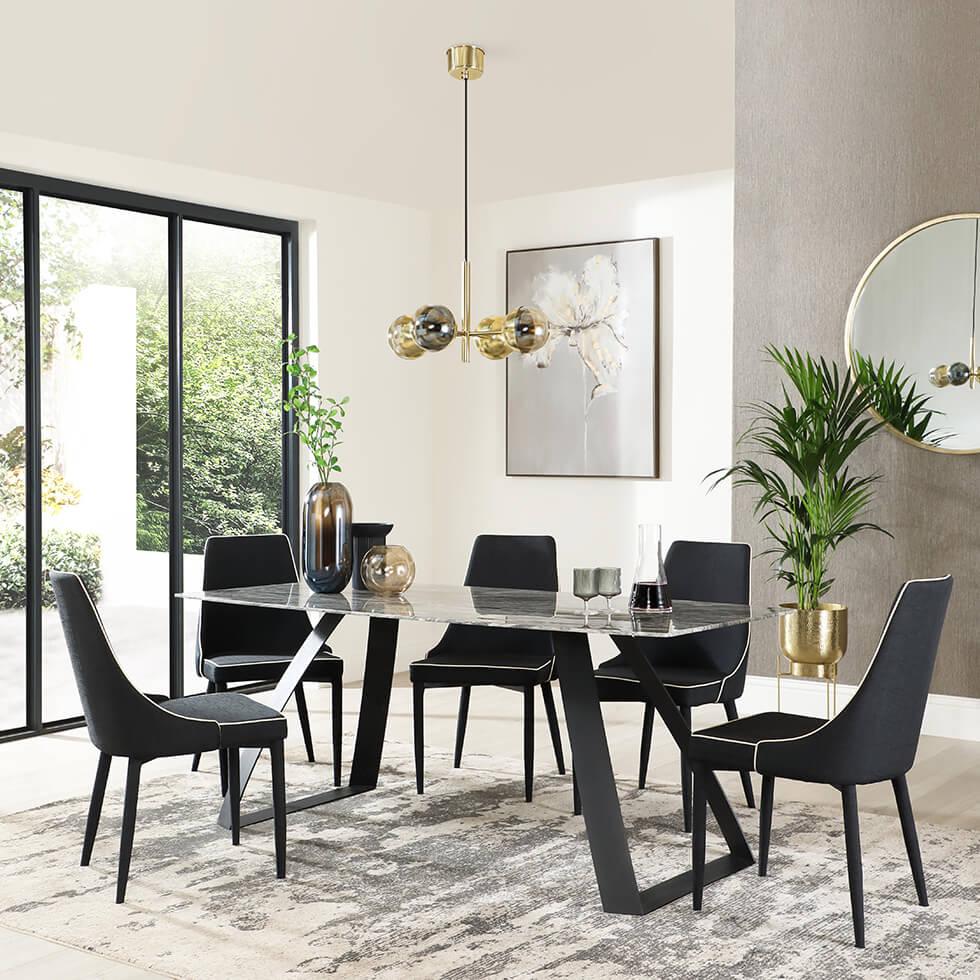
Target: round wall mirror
{"points": [[915, 308]]}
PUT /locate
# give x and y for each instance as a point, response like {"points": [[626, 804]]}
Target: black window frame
{"points": [[32, 187]]}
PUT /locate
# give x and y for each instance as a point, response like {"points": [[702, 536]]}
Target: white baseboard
{"points": [[946, 715]]}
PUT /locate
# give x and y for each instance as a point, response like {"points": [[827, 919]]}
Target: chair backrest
{"points": [[708, 571], [121, 721], [505, 561], [238, 561], [875, 735]]}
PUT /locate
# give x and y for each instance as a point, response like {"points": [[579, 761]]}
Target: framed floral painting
{"points": [[586, 404]]}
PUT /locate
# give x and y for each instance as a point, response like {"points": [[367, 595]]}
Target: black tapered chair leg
{"points": [[552, 713], [528, 743], [95, 807], [223, 770], [855, 873], [646, 742], [904, 804], [576, 798], [765, 822], [128, 827], [304, 720], [196, 761], [235, 795], [418, 723], [464, 711], [276, 756], [731, 712], [337, 721], [686, 775], [698, 838]]}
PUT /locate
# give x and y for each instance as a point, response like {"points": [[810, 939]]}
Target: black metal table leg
{"points": [[280, 695], [607, 836]]}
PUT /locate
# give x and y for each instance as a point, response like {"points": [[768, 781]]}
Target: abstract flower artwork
{"points": [[586, 403]]}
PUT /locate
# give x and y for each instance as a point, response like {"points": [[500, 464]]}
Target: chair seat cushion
{"points": [[733, 745], [268, 666], [687, 685], [242, 721], [503, 669]]}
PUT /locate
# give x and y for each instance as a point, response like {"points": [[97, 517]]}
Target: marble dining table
{"points": [[563, 617]]}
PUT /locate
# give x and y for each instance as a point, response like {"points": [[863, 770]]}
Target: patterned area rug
{"points": [[471, 882]]}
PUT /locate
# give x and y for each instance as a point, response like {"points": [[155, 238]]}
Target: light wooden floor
{"points": [[945, 783]]}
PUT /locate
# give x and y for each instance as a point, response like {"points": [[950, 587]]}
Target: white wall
{"points": [[361, 262], [593, 520]]}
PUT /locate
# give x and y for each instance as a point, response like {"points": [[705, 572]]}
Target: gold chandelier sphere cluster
{"points": [[433, 328]]}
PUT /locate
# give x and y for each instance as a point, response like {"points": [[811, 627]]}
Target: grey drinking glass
{"points": [[609, 584], [585, 585]]}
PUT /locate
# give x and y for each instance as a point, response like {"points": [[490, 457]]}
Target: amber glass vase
{"points": [[327, 538]]}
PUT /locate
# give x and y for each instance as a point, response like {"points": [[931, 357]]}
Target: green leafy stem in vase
{"points": [[318, 421], [799, 450]]}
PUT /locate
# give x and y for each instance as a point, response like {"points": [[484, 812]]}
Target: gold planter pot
{"points": [[813, 641]]}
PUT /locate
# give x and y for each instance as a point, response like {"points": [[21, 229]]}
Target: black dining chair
{"points": [[873, 739], [249, 644], [698, 669], [484, 656], [124, 723]]}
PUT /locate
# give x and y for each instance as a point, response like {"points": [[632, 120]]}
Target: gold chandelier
{"points": [[433, 328]]}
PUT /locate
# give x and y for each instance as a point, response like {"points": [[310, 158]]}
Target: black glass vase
{"points": [[366, 536], [327, 537]]}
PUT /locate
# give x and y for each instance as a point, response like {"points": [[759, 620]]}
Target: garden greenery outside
{"points": [[231, 383]]}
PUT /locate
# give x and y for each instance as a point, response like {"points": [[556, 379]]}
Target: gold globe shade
{"points": [[435, 327], [492, 344], [401, 338], [526, 329]]}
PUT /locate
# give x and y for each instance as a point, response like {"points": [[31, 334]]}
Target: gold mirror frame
{"points": [[852, 309]]}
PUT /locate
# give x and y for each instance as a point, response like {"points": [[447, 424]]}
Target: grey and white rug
{"points": [[469, 881]]}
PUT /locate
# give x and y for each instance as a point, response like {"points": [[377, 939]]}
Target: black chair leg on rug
{"points": [[686, 775], [731, 712], [576, 798], [337, 721], [464, 711], [528, 743], [276, 756], [234, 782], [698, 838], [552, 713], [196, 761], [128, 827], [765, 823], [223, 770], [95, 807], [901, 788], [646, 742], [418, 690], [304, 721], [855, 873]]}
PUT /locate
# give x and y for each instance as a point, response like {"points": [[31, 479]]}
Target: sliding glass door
{"points": [[233, 330], [13, 480], [141, 391]]}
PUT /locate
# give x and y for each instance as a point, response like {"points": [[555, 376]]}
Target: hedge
{"points": [[65, 551]]}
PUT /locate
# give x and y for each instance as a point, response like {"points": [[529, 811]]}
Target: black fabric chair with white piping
{"points": [[873, 739], [124, 723], [703, 668], [250, 645], [480, 656]]}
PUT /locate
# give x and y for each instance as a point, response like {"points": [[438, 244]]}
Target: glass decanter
{"points": [[650, 592]]}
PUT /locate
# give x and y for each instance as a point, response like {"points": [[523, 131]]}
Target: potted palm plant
{"points": [[809, 501], [327, 514]]}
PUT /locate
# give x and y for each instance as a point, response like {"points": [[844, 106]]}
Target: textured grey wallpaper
{"points": [[854, 120]]}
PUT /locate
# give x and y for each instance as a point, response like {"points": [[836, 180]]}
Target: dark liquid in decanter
{"points": [[650, 597]]}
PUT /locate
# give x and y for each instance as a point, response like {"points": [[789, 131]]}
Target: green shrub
{"points": [[64, 551]]}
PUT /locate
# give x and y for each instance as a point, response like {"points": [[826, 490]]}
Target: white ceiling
{"points": [[354, 96]]}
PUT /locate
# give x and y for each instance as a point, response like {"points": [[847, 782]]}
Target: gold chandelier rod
{"points": [[433, 328]]}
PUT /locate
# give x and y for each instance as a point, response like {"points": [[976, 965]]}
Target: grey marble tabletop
{"points": [[507, 608]]}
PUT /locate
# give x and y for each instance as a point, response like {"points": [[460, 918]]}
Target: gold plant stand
{"points": [[828, 673]]}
